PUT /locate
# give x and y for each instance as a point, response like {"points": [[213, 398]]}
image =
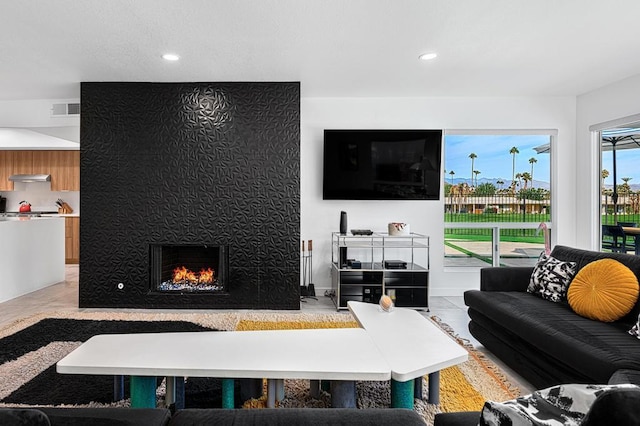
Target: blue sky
{"points": [[628, 165], [493, 158]]}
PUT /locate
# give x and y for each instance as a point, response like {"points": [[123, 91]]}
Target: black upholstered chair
{"points": [[631, 244], [614, 238]]}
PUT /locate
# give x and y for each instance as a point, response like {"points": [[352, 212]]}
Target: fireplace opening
{"points": [[187, 268]]}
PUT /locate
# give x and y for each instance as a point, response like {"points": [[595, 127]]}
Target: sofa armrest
{"points": [[506, 278], [625, 376], [614, 407], [298, 416], [23, 416], [462, 418]]}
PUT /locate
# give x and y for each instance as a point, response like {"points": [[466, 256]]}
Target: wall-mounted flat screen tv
{"points": [[382, 164]]}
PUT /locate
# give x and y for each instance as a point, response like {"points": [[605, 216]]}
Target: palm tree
{"points": [[526, 177], [532, 161], [625, 185], [605, 175], [513, 151], [476, 172], [473, 156], [519, 177], [452, 173], [500, 183]]}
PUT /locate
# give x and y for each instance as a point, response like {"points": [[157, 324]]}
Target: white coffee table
{"points": [[340, 355], [412, 345]]}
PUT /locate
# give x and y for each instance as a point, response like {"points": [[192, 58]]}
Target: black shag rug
{"points": [[51, 388]]}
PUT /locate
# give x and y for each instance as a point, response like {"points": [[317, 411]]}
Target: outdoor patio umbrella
{"points": [[614, 140]]}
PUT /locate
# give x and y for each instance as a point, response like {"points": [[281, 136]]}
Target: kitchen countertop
{"points": [[24, 218], [45, 214]]}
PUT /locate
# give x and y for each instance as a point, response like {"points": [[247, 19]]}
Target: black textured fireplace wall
{"points": [[190, 163]]}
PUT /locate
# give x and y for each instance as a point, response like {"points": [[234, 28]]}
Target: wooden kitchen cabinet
{"points": [[63, 166], [39, 163], [14, 162], [6, 170], [22, 162], [65, 170], [72, 240]]}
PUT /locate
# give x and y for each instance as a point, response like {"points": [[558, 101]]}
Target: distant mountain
{"points": [[507, 182]]}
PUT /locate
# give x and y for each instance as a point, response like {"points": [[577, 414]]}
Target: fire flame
{"points": [[206, 276], [181, 274]]}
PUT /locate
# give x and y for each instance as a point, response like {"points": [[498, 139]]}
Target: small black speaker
{"points": [[343, 231]]}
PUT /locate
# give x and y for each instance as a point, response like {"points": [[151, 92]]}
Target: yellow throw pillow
{"points": [[604, 290]]}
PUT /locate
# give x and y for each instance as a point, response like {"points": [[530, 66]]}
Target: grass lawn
{"points": [[496, 217]]}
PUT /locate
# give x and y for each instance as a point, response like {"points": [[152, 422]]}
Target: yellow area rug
{"points": [[464, 387]]}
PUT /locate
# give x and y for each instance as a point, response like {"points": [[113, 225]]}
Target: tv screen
{"points": [[382, 164]]}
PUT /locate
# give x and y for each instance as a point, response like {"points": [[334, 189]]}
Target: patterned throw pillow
{"points": [[555, 406], [551, 278], [635, 330]]}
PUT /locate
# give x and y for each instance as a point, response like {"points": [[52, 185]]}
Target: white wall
{"points": [[612, 102], [319, 218], [35, 113]]}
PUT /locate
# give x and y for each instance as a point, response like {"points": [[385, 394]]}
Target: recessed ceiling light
{"points": [[427, 56], [170, 57]]}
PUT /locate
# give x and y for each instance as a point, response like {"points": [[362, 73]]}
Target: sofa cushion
{"points": [[635, 330], [462, 418], [22, 417], [604, 290], [563, 404], [297, 416], [107, 416], [592, 348], [551, 277]]}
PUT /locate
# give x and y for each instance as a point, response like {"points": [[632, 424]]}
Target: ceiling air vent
{"points": [[65, 110]]}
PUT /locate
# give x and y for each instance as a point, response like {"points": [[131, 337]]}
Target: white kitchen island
{"points": [[31, 254]]}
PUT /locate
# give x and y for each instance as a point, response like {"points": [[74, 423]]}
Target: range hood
{"points": [[30, 178]]}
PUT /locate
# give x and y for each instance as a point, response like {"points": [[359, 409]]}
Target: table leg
{"points": [[271, 393], [343, 394], [143, 392], [402, 394], [434, 388], [279, 389], [228, 400], [170, 393], [314, 388], [417, 388], [118, 388], [250, 388], [179, 402]]}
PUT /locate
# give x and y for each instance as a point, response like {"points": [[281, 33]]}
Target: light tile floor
{"points": [[64, 297]]}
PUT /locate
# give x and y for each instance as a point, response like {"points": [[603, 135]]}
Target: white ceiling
{"points": [[333, 47]]}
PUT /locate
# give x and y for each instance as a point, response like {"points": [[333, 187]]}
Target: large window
{"points": [[497, 198], [620, 188]]}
